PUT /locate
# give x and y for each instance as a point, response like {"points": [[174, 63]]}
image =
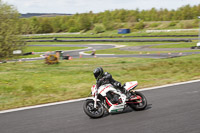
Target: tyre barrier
{"points": [[55, 38]]}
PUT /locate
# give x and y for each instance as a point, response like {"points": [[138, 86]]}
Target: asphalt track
{"points": [[172, 109], [90, 47]]}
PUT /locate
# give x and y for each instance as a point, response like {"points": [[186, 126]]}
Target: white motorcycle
{"points": [[107, 98]]}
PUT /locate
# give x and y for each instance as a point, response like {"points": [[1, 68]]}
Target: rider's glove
{"points": [[117, 84]]}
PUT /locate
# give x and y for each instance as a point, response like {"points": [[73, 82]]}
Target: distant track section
{"points": [[119, 40]]}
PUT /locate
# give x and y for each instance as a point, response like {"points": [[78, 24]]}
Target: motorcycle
{"points": [[108, 99]]}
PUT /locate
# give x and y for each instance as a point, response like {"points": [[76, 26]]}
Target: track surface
{"points": [[76, 53], [172, 109]]}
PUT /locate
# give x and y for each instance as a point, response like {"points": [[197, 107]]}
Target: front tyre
{"points": [[89, 109], [140, 103]]}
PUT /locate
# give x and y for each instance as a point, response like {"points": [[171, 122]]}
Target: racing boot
{"points": [[128, 95]]}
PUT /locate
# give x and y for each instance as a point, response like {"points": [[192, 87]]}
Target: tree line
{"points": [[107, 20]]}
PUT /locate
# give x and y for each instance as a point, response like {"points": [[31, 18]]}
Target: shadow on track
{"points": [[127, 110]]}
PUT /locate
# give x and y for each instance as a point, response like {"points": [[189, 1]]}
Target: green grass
{"points": [[118, 51], [44, 49], [85, 43], [32, 83], [180, 45], [54, 43]]}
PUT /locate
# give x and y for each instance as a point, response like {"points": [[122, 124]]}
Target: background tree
{"points": [[34, 25], [45, 25], [9, 31], [56, 25], [99, 29], [84, 22], [108, 20], [63, 22], [72, 25]]}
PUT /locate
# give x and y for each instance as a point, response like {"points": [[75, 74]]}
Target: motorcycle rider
{"points": [[106, 78]]}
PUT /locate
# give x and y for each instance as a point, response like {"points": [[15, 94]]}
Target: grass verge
{"points": [[32, 83], [45, 49], [86, 43], [178, 45], [118, 51]]}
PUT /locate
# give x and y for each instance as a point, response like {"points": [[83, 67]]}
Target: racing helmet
{"points": [[98, 73]]}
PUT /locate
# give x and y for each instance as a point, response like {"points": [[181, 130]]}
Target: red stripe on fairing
{"points": [[109, 104], [132, 86], [105, 88], [93, 87]]}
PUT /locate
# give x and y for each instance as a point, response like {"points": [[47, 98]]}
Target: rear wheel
{"points": [[139, 102], [92, 112]]}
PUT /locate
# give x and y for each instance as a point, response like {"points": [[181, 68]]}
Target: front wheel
{"points": [[92, 112], [139, 101]]}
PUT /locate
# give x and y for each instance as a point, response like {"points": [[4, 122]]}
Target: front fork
{"points": [[95, 100]]}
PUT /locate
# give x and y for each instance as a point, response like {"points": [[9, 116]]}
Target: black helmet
{"points": [[98, 73]]}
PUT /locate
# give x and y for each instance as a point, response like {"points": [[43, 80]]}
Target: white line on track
{"points": [[76, 100], [116, 46]]}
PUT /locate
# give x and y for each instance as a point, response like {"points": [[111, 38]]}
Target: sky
{"points": [[84, 6]]}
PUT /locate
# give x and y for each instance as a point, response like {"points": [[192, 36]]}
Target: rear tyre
{"points": [[89, 109], [140, 104]]}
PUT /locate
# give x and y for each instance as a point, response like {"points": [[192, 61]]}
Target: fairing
{"points": [[130, 85]]}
